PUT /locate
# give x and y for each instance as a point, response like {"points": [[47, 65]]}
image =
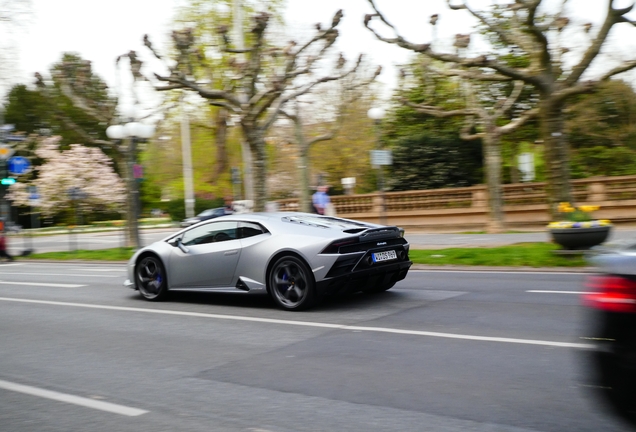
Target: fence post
{"points": [[479, 199], [596, 192]]}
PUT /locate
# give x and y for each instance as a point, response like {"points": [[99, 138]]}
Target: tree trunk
{"points": [[132, 227], [556, 154], [303, 167], [256, 141], [221, 142], [492, 162]]}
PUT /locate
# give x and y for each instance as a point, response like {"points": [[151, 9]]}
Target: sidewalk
{"points": [[421, 240]]}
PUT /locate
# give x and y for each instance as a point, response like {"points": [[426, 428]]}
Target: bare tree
{"points": [[268, 77], [523, 29], [487, 112], [349, 92]]}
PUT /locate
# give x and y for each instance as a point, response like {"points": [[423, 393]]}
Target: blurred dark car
{"points": [[611, 302], [205, 215]]}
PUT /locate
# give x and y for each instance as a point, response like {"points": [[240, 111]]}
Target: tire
{"points": [[151, 279], [378, 288], [291, 284]]}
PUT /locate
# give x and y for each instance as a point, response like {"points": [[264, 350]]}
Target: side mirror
{"points": [[181, 246], [176, 242]]}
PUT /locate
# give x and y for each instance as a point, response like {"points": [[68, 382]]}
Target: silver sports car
{"points": [[294, 257]]}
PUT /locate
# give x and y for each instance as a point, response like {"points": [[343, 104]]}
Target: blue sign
{"points": [[18, 165]]}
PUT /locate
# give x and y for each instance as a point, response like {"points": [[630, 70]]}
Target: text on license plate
{"points": [[384, 256]]}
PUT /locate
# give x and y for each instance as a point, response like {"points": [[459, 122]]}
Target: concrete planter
{"points": [[580, 238]]}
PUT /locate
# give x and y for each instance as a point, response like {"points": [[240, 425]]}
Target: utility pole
{"points": [[186, 153]]}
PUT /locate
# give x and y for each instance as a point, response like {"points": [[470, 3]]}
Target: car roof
{"points": [[289, 220], [297, 223]]}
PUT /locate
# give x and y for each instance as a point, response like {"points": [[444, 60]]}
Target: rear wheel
{"points": [[291, 284], [151, 278]]}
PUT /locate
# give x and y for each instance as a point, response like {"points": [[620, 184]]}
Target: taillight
{"points": [[334, 246], [611, 293]]}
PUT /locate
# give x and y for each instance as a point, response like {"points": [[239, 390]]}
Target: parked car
{"points": [[294, 257], [205, 215], [611, 302]]}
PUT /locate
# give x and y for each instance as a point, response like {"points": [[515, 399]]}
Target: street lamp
{"points": [[186, 156], [377, 114], [133, 132]]}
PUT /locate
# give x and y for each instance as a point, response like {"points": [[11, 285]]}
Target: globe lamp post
{"points": [[377, 114], [132, 132]]}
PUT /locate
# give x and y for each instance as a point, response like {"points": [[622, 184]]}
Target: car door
{"points": [[208, 257]]}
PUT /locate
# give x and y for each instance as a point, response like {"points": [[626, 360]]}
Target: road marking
{"points": [[42, 284], [122, 269], [58, 274], [308, 324], [71, 399], [531, 272], [557, 292]]}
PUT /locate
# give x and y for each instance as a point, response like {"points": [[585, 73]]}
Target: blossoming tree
{"points": [[81, 176]]}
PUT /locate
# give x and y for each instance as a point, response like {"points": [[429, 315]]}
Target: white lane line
{"points": [[557, 292], [308, 324], [75, 400], [39, 284], [514, 272], [122, 269], [58, 274]]}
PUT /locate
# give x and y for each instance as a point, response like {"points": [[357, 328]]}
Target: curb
{"points": [[452, 268]]}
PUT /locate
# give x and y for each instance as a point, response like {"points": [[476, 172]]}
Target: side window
{"points": [[210, 233], [249, 229]]}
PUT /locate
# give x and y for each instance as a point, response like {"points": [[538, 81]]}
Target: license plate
{"points": [[384, 256]]}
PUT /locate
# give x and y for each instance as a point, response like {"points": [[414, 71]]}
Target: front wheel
{"points": [[291, 284], [151, 278]]}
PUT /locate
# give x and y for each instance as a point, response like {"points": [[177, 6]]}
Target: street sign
{"points": [[18, 165], [6, 151], [381, 157], [526, 166]]}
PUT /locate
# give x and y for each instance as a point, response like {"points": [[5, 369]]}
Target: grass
{"points": [[116, 254], [523, 254]]}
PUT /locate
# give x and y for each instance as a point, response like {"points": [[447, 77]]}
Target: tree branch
{"points": [[613, 16], [511, 99], [519, 121], [475, 62], [179, 82]]}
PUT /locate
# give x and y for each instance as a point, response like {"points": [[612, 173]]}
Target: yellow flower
{"points": [[578, 217], [588, 208]]}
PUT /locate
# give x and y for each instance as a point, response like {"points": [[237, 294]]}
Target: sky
{"points": [[101, 30]]}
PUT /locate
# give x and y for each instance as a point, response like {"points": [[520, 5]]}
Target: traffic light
{"points": [[7, 181]]}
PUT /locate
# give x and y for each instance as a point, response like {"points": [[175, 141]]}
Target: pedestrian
{"points": [[321, 200], [3, 248]]}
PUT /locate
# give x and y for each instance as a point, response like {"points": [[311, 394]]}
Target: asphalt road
{"points": [[441, 351]]}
